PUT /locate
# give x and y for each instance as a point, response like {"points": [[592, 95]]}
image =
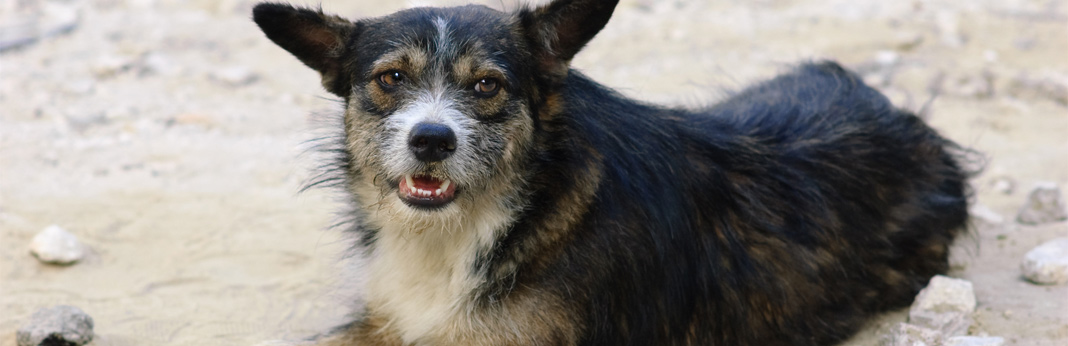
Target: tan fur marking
{"points": [[408, 60]]}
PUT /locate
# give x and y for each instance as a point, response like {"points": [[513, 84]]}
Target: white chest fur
{"points": [[420, 271]]}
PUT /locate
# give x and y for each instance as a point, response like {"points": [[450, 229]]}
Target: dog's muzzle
{"points": [[429, 143]]}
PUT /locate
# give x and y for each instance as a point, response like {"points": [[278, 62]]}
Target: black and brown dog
{"points": [[503, 198]]}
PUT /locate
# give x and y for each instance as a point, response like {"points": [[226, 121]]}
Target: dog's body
{"points": [[504, 199]]}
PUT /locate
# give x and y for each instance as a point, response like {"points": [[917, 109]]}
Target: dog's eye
{"points": [[391, 79], [487, 87]]}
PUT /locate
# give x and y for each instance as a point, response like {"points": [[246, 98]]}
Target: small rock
{"points": [[195, 119], [1050, 86], [59, 325], [945, 305], [1047, 264], [1003, 185], [56, 246], [1044, 205], [974, 341], [985, 215], [79, 87], [235, 76], [948, 23], [980, 86], [109, 65], [904, 334], [990, 55], [907, 41], [887, 57], [160, 64]]}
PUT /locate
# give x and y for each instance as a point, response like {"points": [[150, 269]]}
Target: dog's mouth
{"points": [[426, 191]]}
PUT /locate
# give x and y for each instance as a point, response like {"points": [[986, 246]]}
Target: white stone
{"points": [[1004, 185], [1047, 264], [948, 23], [235, 75], [945, 305], [159, 63], [57, 246], [1044, 205], [904, 334], [985, 215], [974, 341], [887, 57]]}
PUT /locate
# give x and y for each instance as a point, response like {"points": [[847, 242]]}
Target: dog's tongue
{"points": [[427, 191]]}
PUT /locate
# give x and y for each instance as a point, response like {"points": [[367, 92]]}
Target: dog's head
{"points": [[443, 105]]}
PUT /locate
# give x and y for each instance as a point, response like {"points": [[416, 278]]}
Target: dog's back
{"points": [[729, 224]]}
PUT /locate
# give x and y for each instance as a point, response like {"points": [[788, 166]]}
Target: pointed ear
{"points": [[560, 29], [317, 39]]}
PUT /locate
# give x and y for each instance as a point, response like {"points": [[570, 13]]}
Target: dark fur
{"points": [[787, 214]]}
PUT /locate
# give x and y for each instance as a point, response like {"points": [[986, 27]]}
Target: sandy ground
{"points": [[167, 135]]}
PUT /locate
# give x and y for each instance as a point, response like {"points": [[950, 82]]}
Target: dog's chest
{"points": [[423, 281]]}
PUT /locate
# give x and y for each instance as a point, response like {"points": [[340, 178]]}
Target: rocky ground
{"points": [[167, 136]]}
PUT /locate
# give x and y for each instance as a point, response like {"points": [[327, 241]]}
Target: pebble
{"points": [[79, 87], [27, 22], [59, 325], [161, 64], [1047, 264], [948, 23], [1044, 205], [980, 86], [1003, 185], [945, 305], [904, 334], [55, 245], [235, 76], [887, 58], [974, 341], [985, 215], [109, 65], [1050, 86], [907, 41]]}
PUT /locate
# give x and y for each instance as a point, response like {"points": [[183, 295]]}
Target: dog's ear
{"points": [[317, 39], [560, 29]]}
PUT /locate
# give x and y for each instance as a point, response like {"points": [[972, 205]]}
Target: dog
{"points": [[503, 198]]}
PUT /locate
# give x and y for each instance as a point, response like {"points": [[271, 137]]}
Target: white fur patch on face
{"points": [[444, 41], [431, 106]]}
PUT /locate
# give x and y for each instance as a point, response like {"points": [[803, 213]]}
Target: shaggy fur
{"points": [[787, 214]]}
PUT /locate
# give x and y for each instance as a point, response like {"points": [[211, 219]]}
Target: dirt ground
{"points": [[167, 135]]}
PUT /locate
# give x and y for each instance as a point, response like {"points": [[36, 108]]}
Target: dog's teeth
{"points": [[437, 192], [411, 183], [445, 185]]}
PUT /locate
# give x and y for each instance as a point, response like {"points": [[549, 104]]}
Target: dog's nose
{"points": [[431, 142]]}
